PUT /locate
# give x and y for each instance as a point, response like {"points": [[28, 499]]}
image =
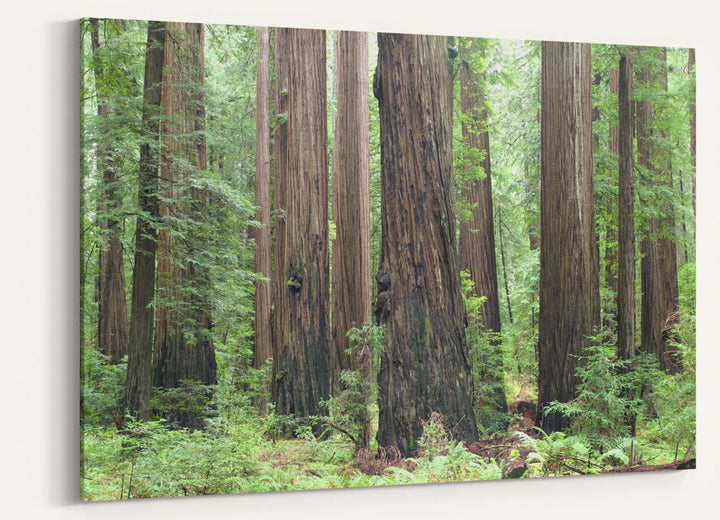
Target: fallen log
{"points": [[679, 464]]}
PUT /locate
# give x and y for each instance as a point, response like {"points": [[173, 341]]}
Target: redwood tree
{"points": [[263, 339], [183, 344], [569, 266], [659, 253], [626, 223], [279, 347], [350, 200], [301, 372], [477, 229], [140, 347], [424, 367], [112, 308]]}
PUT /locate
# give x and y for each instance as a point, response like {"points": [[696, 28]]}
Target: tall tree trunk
{"points": [[659, 254], [611, 237], [139, 372], [425, 367], [626, 223], [279, 281], [351, 211], [183, 344], [351, 198], [263, 337], [477, 233], [302, 373], [569, 282], [112, 307]]}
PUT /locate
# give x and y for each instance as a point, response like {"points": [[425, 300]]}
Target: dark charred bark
{"points": [[425, 367], [139, 372], [569, 267]]}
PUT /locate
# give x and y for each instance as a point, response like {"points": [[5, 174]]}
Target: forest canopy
{"points": [[318, 259]]}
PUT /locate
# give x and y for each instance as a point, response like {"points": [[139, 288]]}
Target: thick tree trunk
{"points": [[183, 344], [569, 282], [351, 200], [302, 372], [279, 281], [112, 308], [263, 336], [139, 372], [626, 223], [659, 254], [477, 233], [425, 365]]}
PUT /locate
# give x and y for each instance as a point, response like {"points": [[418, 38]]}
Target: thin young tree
{"points": [[301, 372], [140, 347], [569, 265], [112, 309], [626, 222], [477, 229], [183, 344], [693, 130], [263, 338], [424, 367]]}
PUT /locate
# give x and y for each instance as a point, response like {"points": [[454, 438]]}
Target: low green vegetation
{"points": [[205, 440]]}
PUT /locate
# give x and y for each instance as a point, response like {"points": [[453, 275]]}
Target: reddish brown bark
{"points": [[279, 207], [425, 366], [302, 376], [659, 254], [139, 372], [112, 308], [477, 233], [569, 267], [351, 200], [626, 224], [263, 336], [183, 344]]}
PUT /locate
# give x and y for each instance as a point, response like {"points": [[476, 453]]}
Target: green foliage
{"points": [[351, 410], [102, 389], [205, 440], [186, 406], [486, 356], [671, 401], [370, 337], [605, 404], [355, 409], [556, 454]]}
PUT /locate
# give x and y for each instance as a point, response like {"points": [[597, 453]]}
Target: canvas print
{"points": [[324, 259]]}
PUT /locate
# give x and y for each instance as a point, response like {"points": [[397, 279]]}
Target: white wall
{"points": [[39, 261]]}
